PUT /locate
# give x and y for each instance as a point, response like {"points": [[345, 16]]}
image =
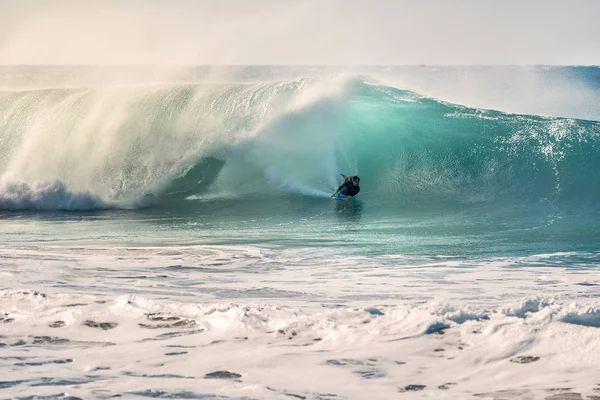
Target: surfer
{"points": [[349, 188]]}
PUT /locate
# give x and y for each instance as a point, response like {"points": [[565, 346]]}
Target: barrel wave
{"points": [[160, 145]]}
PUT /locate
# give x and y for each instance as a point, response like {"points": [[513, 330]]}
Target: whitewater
{"points": [[169, 233]]}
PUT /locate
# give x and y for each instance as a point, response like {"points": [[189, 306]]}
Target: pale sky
{"points": [[301, 32]]}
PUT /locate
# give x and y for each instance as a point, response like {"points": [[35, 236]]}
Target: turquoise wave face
{"points": [[430, 150]]}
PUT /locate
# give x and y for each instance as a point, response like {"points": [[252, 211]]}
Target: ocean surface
{"points": [[168, 232]]}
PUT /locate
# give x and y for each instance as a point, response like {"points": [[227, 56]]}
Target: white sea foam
{"points": [[50, 195], [101, 322]]}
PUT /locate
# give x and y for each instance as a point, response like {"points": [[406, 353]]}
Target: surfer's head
{"points": [[356, 181]]}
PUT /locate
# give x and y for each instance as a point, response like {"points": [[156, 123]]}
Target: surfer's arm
{"points": [[341, 186]]}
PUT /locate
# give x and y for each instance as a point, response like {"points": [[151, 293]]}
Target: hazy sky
{"points": [[336, 32]]}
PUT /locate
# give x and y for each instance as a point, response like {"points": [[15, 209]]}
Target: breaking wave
{"points": [[128, 147]]}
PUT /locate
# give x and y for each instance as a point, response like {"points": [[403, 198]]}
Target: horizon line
{"points": [[294, 65]]}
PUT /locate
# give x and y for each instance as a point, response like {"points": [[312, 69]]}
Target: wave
{"points": [[131, 147]]}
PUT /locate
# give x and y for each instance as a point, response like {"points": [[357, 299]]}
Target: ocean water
{"points": [[168, 233]]}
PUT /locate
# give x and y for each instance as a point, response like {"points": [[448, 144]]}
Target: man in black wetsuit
{"points": [[350, 187]]}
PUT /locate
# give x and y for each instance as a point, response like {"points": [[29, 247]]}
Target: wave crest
{"points": [[132, 147]]}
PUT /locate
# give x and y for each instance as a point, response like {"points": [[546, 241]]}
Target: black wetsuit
{"points": [[348, 189]]}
